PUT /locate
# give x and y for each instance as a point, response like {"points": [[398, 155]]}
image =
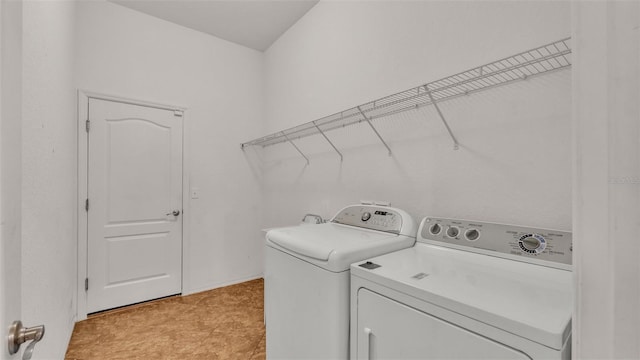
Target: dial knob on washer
{"points": [[453, 231], [532, 243], [472, 234], [366, 216], [435, 229]]}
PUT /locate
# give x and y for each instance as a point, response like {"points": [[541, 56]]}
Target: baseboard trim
{"points": [[223, 284]]}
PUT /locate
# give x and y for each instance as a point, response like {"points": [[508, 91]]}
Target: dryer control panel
{"points": [[533, 245], [380, 218]]}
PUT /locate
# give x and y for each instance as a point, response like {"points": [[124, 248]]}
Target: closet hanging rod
{"points": [[521, 66]]}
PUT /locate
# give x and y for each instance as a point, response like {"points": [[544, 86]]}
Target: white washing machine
{"points": [[466, 290], [307, 278]]}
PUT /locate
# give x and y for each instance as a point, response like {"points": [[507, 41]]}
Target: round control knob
{"points": [[435, 229], [453, 231], [532, 243], [472, 234], [366, 216]]}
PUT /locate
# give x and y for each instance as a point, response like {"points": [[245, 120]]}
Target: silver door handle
{"points": [[174, 213], [19, 335]]}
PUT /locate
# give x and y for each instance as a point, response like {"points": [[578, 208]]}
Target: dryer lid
{"points": [[531, 301]]}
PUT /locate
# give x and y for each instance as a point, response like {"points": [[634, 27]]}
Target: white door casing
{"points": [[10, 170], [134, 179]]}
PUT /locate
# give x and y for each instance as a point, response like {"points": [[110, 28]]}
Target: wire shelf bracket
{"points": [[444, 121], [374, 129], [544, 59], [329, 141], [294, 145]]}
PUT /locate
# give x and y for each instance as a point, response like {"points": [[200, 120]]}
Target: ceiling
{"points": [[252, 23]]}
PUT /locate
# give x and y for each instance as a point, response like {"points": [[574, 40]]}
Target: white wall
{"points": [[125, 53], [514, 164], [606, 185], [10, 163], [49, 173]]}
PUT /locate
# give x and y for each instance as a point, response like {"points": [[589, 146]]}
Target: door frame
{"points": [[83, 147]]}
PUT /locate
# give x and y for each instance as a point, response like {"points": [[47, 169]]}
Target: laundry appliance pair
{"points": [[361, 287]]}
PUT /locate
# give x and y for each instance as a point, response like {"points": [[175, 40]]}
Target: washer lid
{"points": [[531, 301], [334, 246]]}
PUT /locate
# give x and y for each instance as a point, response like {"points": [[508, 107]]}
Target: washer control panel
{"points": [[374, 217], [521, 243]]}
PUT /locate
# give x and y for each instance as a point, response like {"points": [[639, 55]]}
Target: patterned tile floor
{"points": [[224, 323]]}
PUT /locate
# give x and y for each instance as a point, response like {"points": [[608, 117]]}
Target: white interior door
{"points": [[135, 204]]}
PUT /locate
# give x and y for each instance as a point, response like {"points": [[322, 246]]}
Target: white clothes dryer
{"points": [[466, 290], [307, 277]]}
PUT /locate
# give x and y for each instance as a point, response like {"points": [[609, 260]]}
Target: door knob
{"points": [[19, 335], [174, 213]]}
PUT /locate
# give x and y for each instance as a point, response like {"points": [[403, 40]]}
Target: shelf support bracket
{"points": [[374, 129], [294, 145], [444, 121], [329, 141]]}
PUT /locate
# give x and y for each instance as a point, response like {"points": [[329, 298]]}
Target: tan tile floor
{"points": [[224, 323]]}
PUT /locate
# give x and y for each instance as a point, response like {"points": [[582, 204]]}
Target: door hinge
{"points": [[88, 125], [177, 113], [86, 284], [86, 205]]}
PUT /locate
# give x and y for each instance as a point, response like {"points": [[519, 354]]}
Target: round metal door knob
{"points": [[18, 335]]}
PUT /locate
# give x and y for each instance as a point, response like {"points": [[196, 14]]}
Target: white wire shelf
{"points": [[541, 60]]}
